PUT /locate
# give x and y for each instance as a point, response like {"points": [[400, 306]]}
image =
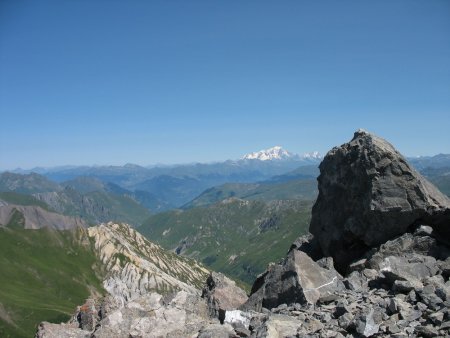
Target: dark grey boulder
{"points": [[406, 245], [355, 281], [369, 194], [445, 268], [413, 270], [426, 331], [297, 280]]}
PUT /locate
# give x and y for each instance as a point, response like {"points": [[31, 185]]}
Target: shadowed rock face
{"points": [[369, 194]]}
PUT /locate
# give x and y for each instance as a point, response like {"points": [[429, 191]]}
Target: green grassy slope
{"points": [[297, 189], [236, 237], [440, 177], [21, 199], [44, 275], [111, 207], [96, 206]]}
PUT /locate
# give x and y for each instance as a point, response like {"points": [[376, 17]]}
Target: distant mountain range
{"points": [[165, 187], [278, 153], [299, 184], [104, 190], [274, 153], [436, 161], [88, 198]]}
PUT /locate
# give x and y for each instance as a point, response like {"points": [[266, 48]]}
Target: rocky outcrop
{"points": [[298, 279], [135, 266], [179, 314], [369, 194], [34, 217], [222, 294], [152, 315]]}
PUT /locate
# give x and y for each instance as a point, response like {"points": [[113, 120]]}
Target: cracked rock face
{"points": [[369, 194], [297, 280]]}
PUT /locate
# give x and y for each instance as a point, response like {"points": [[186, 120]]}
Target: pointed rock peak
{"points": [[361, 132], [368, 194], [363, 139]]}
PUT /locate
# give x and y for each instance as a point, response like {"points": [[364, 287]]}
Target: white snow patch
{"points": [[237, 316]]}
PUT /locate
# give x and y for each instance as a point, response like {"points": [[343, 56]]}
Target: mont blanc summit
{"points": [[278, 153], [274, 153]]}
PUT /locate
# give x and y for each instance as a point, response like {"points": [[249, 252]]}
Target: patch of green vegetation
{"points": [[439, 176], [17, 220], [443, 183], [238, 238], [296, 189], [209, 260], [123, 260], [121, 208], [99, 206], [44, 275], [22, 199]]}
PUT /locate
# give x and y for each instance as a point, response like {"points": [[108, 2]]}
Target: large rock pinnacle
{"points": [[368, 194]]}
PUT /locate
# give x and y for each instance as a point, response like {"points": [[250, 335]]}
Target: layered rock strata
{"points": [[135, 266]]}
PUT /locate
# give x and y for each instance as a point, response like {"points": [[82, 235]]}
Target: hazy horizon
{"points": [[158, 164], [94, 82]]}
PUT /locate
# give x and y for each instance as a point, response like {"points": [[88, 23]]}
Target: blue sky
{"points": [[111, 82]]}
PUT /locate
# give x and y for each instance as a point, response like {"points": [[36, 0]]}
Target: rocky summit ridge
{"points": [[376, 265]]}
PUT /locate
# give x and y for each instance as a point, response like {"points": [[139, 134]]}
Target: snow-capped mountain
{"points": [[274, 153], [314, 155], [278, 153]]}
